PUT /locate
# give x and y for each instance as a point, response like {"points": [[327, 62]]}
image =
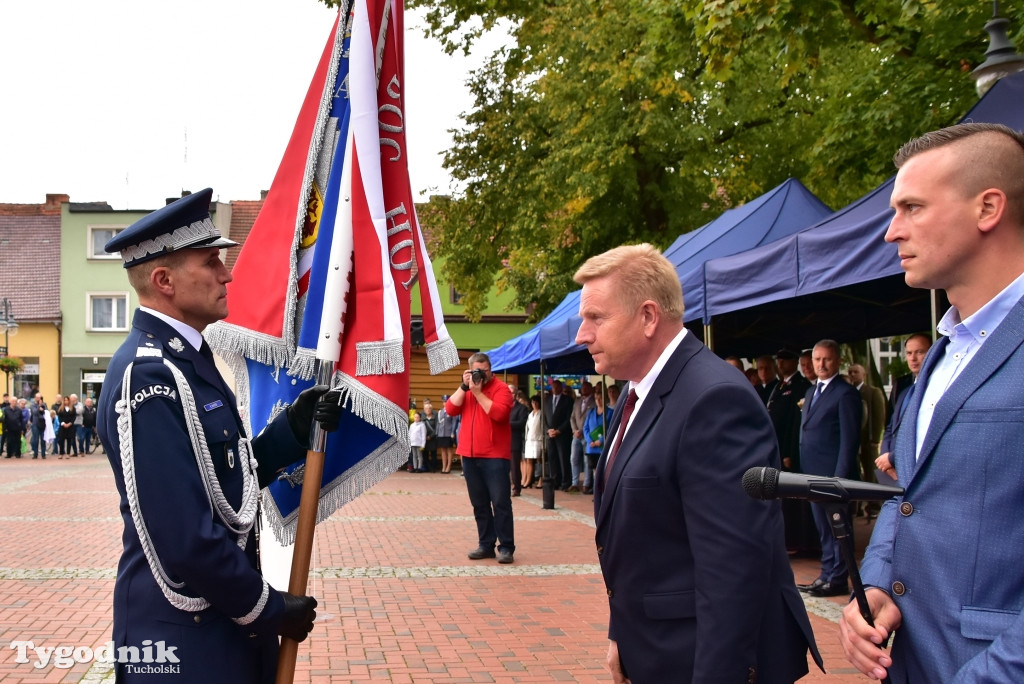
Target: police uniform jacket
{"points": [[223, 622]]}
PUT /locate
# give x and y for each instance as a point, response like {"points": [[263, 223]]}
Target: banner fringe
{"points": [[303, 365], [442, 355], [370, 471], [380, 358], [230, 338]]}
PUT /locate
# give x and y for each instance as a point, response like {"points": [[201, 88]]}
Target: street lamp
{"points": [[10, 328], [1001, 57]]}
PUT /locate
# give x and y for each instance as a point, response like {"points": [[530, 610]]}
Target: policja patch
{"points": [[147, 393]]}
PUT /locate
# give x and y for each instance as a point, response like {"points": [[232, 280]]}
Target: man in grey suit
{"points": [[699, 585], [829, 444], [944, 562]]}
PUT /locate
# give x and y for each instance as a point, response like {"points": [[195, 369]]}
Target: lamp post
{"points": [[10, 328], [1001, 58]]}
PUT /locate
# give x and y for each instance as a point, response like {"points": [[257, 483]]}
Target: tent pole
{"points": [[547, 482], [933, 299], [708, 336]]}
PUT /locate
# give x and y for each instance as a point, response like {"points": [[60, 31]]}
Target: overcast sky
{"points": [[130, 101]]}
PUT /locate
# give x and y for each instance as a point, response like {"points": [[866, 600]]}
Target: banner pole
{"points": [[303, 551]]}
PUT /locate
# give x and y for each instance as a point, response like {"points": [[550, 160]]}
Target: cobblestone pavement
{"points": [[399, 600]]}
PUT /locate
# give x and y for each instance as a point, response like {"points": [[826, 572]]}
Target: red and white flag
{"points": [[326, 273]]}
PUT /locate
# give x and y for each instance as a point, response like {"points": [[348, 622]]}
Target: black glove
{"points": [[299, 613], [318, 403]]}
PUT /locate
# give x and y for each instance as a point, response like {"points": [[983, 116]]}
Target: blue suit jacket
{"points": [[950, 551], [830, 430], [698, 580], [192, 542], [899, 410]]}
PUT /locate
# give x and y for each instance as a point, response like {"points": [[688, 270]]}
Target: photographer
{"points": [[484, 445]]}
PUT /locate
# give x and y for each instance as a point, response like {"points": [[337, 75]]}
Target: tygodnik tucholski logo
{"points": [[151, 658]]}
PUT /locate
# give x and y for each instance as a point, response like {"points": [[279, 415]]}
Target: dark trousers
{"points": [[559, 458], [13, 440], [833, 568], [516, 473], [487, 481]]}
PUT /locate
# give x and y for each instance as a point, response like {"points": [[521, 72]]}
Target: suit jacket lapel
{"points": [[1003, 342], [644, 418]]}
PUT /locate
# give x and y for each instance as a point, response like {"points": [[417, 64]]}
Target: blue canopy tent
{"points": [[523, 354], [838, 278], [782, 210]]}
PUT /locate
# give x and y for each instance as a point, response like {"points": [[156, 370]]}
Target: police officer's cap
{"points": [[184, 223], [787, 353]]}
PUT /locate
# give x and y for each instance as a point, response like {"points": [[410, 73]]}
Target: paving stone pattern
{"points": [[399, 600]]}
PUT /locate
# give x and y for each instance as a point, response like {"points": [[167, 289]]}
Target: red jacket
{"points": [[481, 434]]}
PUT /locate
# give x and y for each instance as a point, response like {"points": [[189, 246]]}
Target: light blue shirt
{"points": [[965, 339]]}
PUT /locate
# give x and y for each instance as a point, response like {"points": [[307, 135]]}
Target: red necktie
{"points": [[627, 411]]}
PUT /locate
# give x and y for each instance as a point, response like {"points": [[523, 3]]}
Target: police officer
{"points": [[189, 586]]}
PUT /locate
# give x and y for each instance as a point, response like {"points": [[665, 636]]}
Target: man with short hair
{"points": [[558, 442], [767, 377], [188, 475], [14, 427], [944, 563], [698, 581], [580, 405], [485, 442], [872, 424], [829, 444], [784, 408], [38, 415], [915, 348], [807, 367]]}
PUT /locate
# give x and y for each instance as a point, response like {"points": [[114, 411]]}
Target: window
{"points": [[454, 296], [99, 236], [107, 311]]}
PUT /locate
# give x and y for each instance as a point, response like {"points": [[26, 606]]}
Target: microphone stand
{"points": [[839, 517]]}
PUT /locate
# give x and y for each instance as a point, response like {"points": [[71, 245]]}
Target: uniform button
{"points": [[600, 550], [197, 619], [225, 433], [898, 588], [611, 593], [906, 508]]}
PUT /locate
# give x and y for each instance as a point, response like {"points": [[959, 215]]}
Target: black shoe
{"points": [[813, 585], [504, 557], [481, 552], [830, 589]]}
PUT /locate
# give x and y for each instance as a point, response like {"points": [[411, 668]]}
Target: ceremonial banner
{"points": [[326, 273]]}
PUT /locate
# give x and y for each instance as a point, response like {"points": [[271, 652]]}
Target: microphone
{"points": [[769, 483]]}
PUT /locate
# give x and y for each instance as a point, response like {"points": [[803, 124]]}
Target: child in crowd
{"points": [[417, 440]]}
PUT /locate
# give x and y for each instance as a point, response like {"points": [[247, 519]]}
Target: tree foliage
{"points": [[606, 122]]}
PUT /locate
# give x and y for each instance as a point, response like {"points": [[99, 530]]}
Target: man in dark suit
{"points": [[944, 563], [767, 377], [829, 444], [557, 418], [915, 348], [784, 408], [698, 581], [189, 479], [873, 422]]}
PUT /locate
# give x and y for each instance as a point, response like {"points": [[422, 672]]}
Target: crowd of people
{"points": [[65, 428], [697, 574]]}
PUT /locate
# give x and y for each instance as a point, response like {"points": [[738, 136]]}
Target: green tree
{"points": [[605, 122]]}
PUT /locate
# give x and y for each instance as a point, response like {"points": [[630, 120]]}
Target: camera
{"points": [[479, 376]]}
